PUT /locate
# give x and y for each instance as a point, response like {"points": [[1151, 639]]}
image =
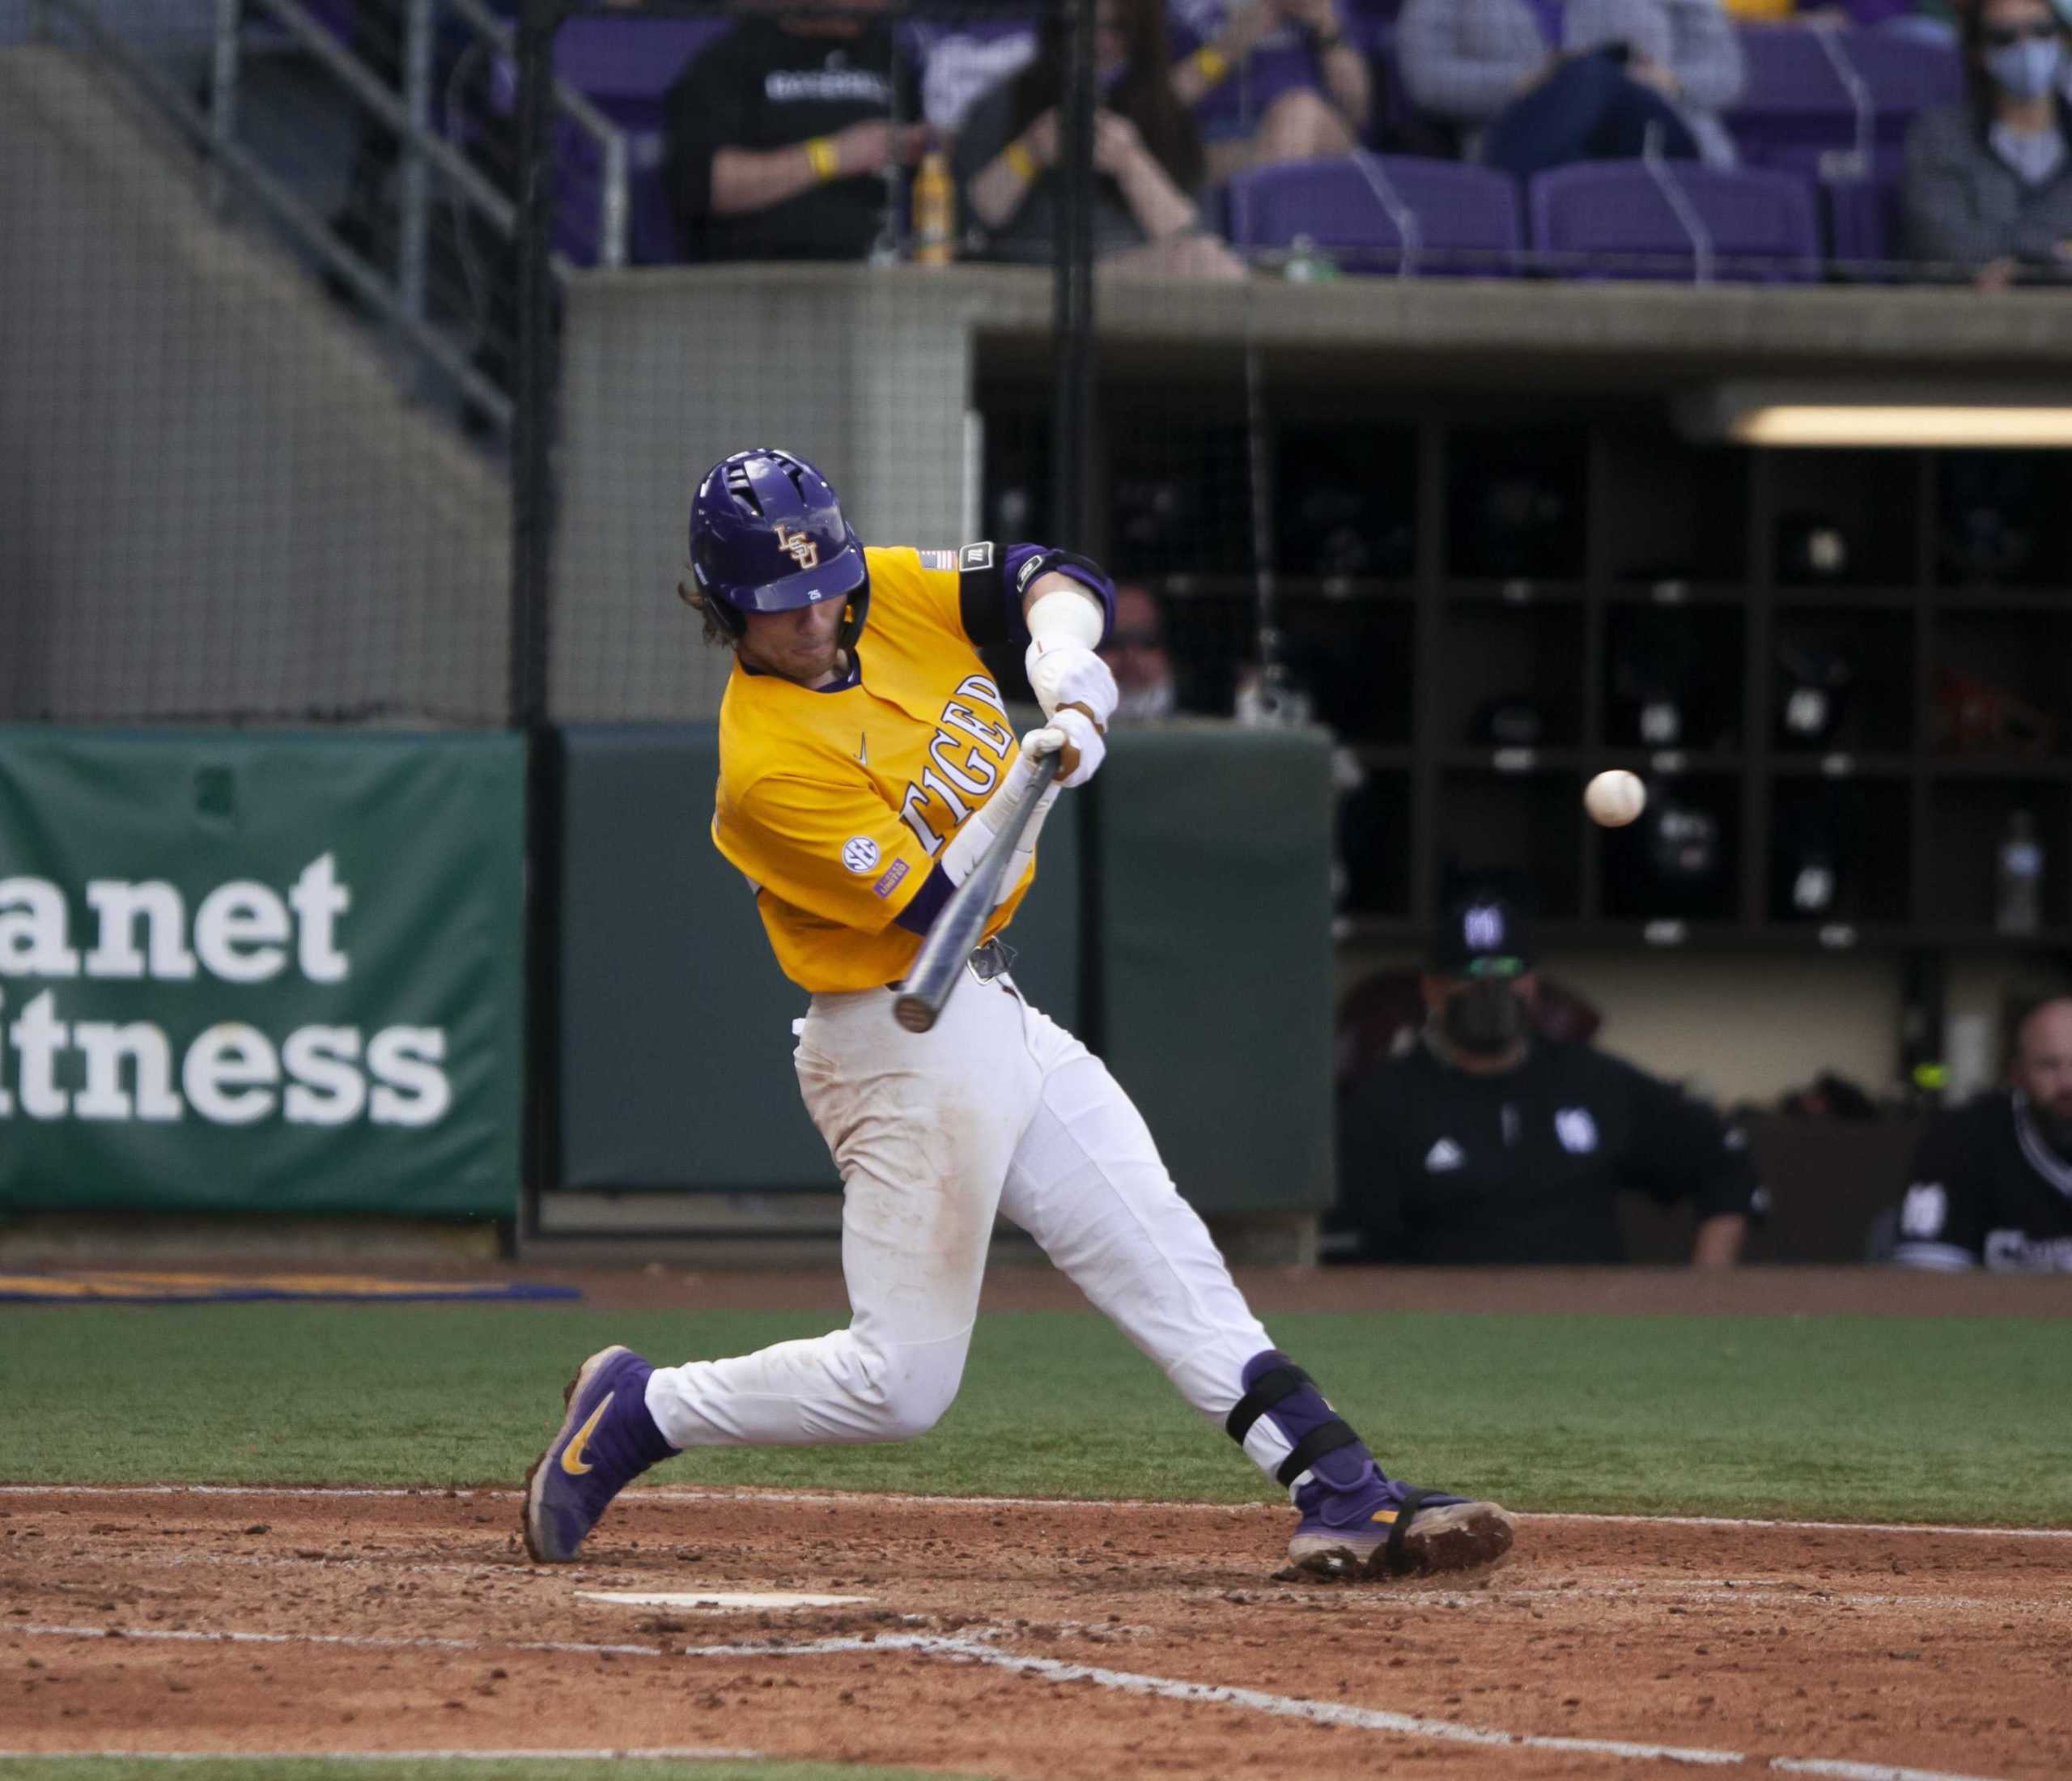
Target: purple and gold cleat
{"points": [[607, 1440], [1387, 1528]]}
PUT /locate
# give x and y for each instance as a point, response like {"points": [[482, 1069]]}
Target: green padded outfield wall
{"points": [[675, 1028], [260, 973], [1214, 852]]}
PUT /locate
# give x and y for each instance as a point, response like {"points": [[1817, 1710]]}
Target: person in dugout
{"points": [[1485, 1142], [1992, 1182]]}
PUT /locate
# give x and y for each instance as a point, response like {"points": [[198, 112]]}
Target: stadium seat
{"points": [[1863, 221], [626, 65], [1904, 75], [1859, 200], [1673, 220], [1836, 90], [1373, 213]]}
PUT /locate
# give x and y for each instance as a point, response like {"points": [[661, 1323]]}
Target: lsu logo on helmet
{"points": [[804, 551]]}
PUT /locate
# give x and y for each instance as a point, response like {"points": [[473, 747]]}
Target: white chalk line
{"points": [[639, 1494], [1325, 1712], [968, 1650], [688, 1752]]}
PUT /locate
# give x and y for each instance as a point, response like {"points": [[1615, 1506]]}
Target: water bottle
{"points": [[2018, 892], [1307, 264], [934, 211]]}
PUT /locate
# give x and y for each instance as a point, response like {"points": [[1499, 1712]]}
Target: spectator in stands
{"points": [[1136, 654], [1988, 183], [1271, 80], [1992, 1182], [780, 135], [1147, 156], [1627, 71], [1488, 1143]]}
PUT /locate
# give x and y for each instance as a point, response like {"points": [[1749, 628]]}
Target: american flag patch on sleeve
{"points": [[938, 560]]}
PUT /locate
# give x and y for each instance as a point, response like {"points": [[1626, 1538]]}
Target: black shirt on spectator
{"points": [[1987, 1190], [1437, 1164], [762, 87]]}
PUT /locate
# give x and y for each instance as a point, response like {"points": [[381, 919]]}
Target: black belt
{"points": [[987, 961]]}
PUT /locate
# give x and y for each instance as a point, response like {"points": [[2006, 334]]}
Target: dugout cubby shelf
{"points": [[1850, 668]]}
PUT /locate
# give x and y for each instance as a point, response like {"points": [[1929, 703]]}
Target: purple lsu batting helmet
{"points": [[767, 535]]}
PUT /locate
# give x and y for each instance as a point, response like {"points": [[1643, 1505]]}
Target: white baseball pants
{"points": [[996, 1109]]}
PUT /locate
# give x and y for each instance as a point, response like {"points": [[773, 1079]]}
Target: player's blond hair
{"points": [[715, 631]]}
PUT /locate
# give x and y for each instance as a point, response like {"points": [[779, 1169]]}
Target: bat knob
{"points": [[913, 1014]]}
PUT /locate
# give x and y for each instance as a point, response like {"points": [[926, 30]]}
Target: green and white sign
{"points": [[245, 972]]}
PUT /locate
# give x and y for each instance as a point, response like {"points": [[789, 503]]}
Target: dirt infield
{"points": [[1021, 1641]]}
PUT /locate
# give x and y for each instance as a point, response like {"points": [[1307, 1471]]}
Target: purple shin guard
{"points": [[1342, 1472], [1357, 1521]]}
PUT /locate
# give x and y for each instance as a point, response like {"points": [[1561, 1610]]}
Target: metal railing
{"points": [[426, 157]]}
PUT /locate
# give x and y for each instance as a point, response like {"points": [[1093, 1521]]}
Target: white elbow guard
{"points": [[1064, 626], [1066, 615]]}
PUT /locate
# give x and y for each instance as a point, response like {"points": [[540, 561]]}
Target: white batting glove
{"points": [[1063, 672], [1071, 727]]}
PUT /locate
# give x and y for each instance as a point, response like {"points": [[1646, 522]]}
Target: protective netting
{"points": [[236, 485]]}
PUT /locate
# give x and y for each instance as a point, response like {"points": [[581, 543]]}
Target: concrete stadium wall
{"points": [[215, 499]]}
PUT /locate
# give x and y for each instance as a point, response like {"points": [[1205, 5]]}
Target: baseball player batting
{"points": [[866, 765]]}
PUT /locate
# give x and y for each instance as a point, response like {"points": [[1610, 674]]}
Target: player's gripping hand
{"points": [[1071, 735], [1064, 672]]}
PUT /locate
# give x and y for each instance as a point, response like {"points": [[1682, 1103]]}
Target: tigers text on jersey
{"points": [[834, 802], [1987, 1190]]}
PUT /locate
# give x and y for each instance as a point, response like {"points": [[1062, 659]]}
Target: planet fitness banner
{"points": [[260, 973]]}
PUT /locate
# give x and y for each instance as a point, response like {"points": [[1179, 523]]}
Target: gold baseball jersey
{"points": [[834, 802]]}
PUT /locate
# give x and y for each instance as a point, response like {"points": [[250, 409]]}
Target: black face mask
{"points": [[1485, 1019]]}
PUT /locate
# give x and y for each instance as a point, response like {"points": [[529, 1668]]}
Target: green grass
{"points": [[1870, 1418], [536, 1769]]}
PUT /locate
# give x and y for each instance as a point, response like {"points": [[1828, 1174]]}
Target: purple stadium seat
{"points": [[1793, 96], [1863, 221], [1904, 75], [1620, 219], [1797, 97], [625, 65], [1862, 200], [1359, 209]]}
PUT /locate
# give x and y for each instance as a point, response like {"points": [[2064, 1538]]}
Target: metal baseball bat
{"points": [[941, 960]]}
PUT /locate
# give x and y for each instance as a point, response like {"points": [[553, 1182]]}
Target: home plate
{"points": [[712, 1598]]}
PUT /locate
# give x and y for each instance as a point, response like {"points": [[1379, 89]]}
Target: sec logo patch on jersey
{"points": [[860, 854]]}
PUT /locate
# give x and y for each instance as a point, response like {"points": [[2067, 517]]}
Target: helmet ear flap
{"points": [[852, 619], [859, 607]]}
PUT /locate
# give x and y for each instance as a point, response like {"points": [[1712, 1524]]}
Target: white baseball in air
{"points": [[1615, 798]]}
